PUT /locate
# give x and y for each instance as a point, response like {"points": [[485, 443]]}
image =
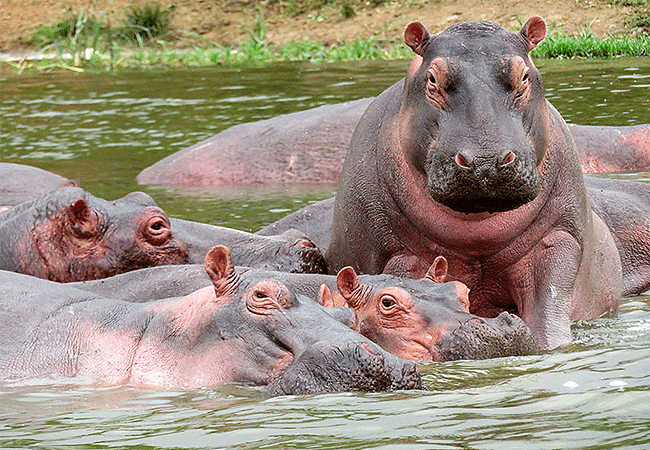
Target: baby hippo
{"points": [[254, 331]]}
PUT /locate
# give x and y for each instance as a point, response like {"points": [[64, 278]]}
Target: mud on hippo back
{"points": [[235, 330], [466, 159]]}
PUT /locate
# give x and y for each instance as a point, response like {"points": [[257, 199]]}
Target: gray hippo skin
{"points": [[289, 251], [425, 319], [625, 207], [236, 330], [466, 159], [21, 183], [69, 235]]}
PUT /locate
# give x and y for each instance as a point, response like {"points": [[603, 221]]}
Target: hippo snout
{"points": [[471, 182], [482, 338], [354, 366]]}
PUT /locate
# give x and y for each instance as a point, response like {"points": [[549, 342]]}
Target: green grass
{"points": [[559, 45], [144, 39]]}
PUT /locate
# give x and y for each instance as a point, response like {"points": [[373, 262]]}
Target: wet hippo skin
{"points": [[252, 331], [466, 159]]}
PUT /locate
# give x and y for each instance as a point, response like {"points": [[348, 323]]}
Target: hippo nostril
{"points": [[508, 159], [462, 161]]}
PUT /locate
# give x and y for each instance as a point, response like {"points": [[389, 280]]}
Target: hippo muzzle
{"points": [[485, 184], [481, 338], [354, 366]]}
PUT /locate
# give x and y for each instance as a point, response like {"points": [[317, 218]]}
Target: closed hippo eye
{"points": [[268, 296]]}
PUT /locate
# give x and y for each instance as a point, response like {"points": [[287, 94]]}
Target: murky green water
{"points": [[102, 129]]}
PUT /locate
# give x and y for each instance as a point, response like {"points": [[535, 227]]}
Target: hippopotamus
{"points": [[288, 251], [424, 319], [466, 159], [310, 146], [625, 207], [240, 330], [69, 235]]}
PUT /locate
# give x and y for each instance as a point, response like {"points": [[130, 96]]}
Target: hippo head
{"points": [[427, 319], [474, 119], [70, 235], [262, 333]]}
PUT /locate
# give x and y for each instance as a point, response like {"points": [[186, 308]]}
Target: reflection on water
{"points": [[102, 129]]}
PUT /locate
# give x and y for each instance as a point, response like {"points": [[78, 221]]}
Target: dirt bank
{"points": [[229, 22]]}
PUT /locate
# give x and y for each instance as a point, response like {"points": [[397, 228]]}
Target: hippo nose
{"points": [[484, 167]]}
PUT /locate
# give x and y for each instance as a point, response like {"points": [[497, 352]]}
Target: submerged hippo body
{"points": [[20, 183], [413, 319], [625, 207], [466, 159], [236, 330], [310, 147]]}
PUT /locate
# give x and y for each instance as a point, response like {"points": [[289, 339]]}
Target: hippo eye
{"points": [[157, 230], [430, 78], [260, 295], [388, 302]]}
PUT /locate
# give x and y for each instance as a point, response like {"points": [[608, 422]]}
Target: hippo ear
{"points": [[219, 268], [348, 284], [438, 270], [534, 31], [416, 36], [326, 298], [82, 218]]}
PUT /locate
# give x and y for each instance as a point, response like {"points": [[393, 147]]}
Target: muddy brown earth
{"points": [[230, 22]]}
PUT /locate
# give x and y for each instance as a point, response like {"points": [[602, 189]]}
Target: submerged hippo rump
{"points": [[466, 159], [423, 320], [236, 330]]}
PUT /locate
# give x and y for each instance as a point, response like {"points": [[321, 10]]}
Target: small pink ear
{"points": [[534, 31], [83, 221], [219, 268], [346, 282], [438, 270], [325, 297], [416, 36]]}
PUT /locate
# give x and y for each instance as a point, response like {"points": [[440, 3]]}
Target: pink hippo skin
{"points": [[252, 331], [466, 159]]}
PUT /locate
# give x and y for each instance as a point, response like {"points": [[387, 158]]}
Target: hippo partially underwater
{"points": [[67, 234], [254, 331], [466, 159]]}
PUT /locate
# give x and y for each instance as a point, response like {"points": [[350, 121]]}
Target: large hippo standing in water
{"points": [[236, 330], [466, 159]]}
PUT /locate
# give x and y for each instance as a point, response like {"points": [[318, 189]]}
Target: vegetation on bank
{"points": [[82, 41]]}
